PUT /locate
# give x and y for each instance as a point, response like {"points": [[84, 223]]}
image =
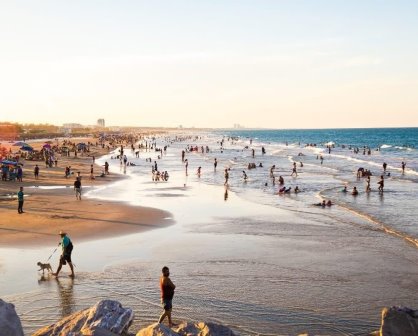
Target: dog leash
{"points": [[52, 253]]}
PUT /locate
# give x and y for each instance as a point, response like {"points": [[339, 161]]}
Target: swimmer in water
{"points": [[354, 192]]}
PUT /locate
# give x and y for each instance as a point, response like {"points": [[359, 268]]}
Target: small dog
{"points": [[44, 267]]}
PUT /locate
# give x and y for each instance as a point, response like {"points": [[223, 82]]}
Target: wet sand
{"points": [[50, 205]]}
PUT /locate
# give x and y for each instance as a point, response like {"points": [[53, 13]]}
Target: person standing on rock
{"points": [[67, 248], [167, 293]]}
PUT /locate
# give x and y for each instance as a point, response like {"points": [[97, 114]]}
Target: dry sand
{"points": [[47, 211]]}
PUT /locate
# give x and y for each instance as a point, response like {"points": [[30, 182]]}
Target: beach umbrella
{"points": [[46, 145], [81, 145], [20, 144], [27, 148], [8, 162]]}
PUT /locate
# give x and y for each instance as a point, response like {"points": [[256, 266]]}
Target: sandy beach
{"points": [[50, 204]]}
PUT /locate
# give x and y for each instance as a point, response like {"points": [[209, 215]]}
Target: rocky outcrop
{"points": [[203, 329], [157, 329], [105, 318], [399, 321], [187, 329], [9, 321]]}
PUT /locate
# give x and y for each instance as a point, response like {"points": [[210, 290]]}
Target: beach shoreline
{"points": [[307, 268]]}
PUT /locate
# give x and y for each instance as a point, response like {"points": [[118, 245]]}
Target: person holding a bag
{"points": [[67, 248]]}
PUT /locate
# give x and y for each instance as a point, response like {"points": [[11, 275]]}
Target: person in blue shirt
{"points": [[67, 248], [20, 196]]}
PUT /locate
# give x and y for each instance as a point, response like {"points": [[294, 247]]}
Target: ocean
{"points": [[387, 145], [243, 255]]}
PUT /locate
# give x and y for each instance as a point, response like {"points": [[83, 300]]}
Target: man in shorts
{"points": [[167, 293], [67, 248], [77, 188]]}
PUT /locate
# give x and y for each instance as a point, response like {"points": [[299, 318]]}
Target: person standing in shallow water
{"points": [[167, 293], [381, 184], [226, 176], [67, 249]]}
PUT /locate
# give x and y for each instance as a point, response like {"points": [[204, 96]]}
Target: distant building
{"points": [[101, 122], [68, 127], [72, 125], [238, 126]]}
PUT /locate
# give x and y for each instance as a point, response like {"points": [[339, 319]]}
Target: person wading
{"points": [[67, 248]]}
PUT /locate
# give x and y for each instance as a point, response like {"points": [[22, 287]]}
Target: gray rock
{"points": [[9, 321], [399, 321], [105, 318]]}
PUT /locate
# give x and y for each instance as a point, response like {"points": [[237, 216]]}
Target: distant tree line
{"points": [[15, 131]]}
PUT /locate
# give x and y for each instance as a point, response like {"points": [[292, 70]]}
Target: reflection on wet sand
{"points": [[65, 291], [66, 295]]}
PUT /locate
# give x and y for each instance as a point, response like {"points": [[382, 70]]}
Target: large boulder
{"points": [[399, 321], [157, 329], [9, 321], [105, 318], [187, 329], [203, 329]]}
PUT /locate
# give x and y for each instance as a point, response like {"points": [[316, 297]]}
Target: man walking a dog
{"points": [[67, 248]]}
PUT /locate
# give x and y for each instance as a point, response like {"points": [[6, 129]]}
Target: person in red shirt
{"points": [[167, 293]]}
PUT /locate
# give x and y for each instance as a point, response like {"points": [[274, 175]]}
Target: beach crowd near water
{"points": [[55, 189]]}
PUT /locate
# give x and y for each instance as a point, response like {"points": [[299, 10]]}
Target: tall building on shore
{"points": [[101, 122]]}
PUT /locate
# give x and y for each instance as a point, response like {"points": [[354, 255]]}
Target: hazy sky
{"points": [[278, 64]]}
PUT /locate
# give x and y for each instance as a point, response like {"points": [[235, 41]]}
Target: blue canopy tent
{"points": [[27, 148]]}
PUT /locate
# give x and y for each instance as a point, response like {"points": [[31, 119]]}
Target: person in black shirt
{"points": [[77, 188]]}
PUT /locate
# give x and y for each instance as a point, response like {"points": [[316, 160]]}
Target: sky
{"points": [[215, 63]]}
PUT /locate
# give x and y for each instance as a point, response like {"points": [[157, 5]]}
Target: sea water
{"points": [[244, 256], [394, 210]]}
